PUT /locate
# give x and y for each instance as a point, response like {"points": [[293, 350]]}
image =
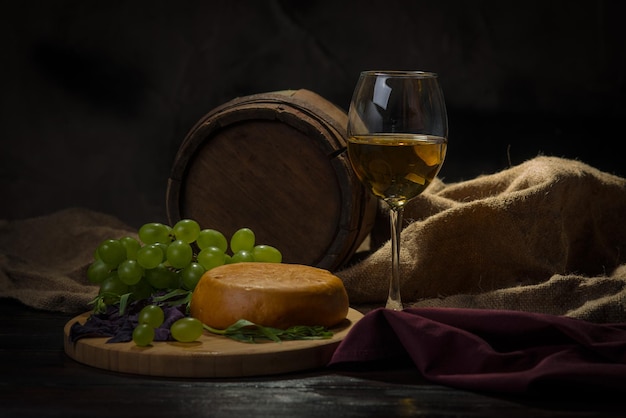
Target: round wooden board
{"points": [[210, 356]]}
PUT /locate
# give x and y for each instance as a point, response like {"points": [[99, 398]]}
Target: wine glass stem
{"points": [[395, 219]]}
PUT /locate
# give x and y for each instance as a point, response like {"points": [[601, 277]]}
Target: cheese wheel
{"points": [[276, 295]]}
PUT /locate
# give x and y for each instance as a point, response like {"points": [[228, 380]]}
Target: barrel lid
{"points": [[275, 163]]}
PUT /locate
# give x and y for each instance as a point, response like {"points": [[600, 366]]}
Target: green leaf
{"points": [[172, 294], [98, 304], [242, 323], [124, 302], [249, 332], [176, 297]]}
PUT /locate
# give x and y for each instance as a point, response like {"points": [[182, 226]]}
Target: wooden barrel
{"points": [[275, 163]]}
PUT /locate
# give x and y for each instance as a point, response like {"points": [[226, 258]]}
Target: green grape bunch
{"points": [[167, 258]]}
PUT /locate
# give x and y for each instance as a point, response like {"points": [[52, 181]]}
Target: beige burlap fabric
{"points": [[546, 236], [44, 260]]}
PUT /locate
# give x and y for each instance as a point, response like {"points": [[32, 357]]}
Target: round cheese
{"points": [[276, 295]]}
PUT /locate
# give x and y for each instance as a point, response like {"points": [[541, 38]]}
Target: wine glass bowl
{"points": [[397, 142]]}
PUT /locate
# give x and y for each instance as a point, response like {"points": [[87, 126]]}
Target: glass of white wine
{"points": [[397, 141]]}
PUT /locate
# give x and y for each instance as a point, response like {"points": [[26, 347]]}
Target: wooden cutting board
{"points": [[208, 357]]}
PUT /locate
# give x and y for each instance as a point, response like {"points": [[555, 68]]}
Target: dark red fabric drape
{"points": [[492, 350]]}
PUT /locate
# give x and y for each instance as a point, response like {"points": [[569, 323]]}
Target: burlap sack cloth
{"points": [[44, 260], [546, 236]]}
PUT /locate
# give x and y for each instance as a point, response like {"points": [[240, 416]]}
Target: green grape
{"points": [[179, 254], [186, 230], [150, 256], [152, 315], [242, 239], [153, 232], [212, 238], [267, 254], [130, 272], [211, 257], [228, 259], [98, 271], [190, 275], [242, 256], [143, 335], [186, 329], [161, 277], [112, 288], [163, 248], [112, 252], [131, 245], [141, 290]]}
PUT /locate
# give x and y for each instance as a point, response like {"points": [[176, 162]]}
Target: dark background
{"points": [[97, 96]]}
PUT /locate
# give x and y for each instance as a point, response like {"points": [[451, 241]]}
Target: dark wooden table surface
{"points": [[39, 380]]}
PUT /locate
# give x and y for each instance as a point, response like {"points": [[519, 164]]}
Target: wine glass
{"points": [[397, 141]]}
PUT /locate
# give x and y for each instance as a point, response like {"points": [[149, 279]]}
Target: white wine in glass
{"points": [[397, 142]]}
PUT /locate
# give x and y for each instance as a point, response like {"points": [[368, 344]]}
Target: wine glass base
{"points": [[394, 305]]}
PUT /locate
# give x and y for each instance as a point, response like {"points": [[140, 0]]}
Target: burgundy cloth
{"points": [[492, 350]]}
